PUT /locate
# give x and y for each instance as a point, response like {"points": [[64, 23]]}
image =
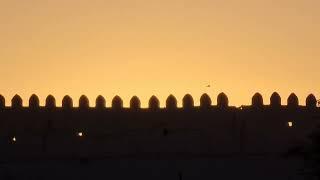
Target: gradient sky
{"points": [[146, 47]]}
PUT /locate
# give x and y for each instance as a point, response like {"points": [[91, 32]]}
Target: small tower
{"points": [[257, 100], [311, 101], [171, 102], [154, 103], [2, 102], [84, 102], [293, 101], [275, 100], [100, 102], [50, 102], [187, 102], [67, 102], [16, 102], [205, 101], [117, 103], [34, 102], [222, 100], [135, 103]]}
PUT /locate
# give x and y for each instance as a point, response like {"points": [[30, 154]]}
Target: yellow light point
{"points": [[290, 124], [14, 139], [80, 134]]}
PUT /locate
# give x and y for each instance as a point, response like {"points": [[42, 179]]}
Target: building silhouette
{"points": [[190, 131]]}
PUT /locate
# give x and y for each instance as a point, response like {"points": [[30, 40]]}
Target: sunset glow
{"points": [[145, 48]]}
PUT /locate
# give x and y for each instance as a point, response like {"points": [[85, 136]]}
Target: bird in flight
{"points": [[208, 86]]}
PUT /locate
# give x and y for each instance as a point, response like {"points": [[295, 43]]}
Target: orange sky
{"points": [[147, 47]]}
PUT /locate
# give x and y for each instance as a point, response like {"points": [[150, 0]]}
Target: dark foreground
{"points": [[130, 168]]}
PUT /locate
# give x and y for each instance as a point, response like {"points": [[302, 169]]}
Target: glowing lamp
{"points": [[80, 134]]}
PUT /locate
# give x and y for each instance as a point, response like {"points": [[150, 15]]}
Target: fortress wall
{"points": [[268, 130], [208, 130], [265, 131], [21, 132], [130, 132]]}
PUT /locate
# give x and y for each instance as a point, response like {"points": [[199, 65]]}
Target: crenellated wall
{"points": [[207, 130]]}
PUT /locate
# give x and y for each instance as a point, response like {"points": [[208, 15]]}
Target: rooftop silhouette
{"points": [[100, 102], [205, 130], [154, 103]]}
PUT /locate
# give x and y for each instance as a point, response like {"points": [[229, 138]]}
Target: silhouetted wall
{"points": [[67, 102], [257, 100], [154, 103], [50, 102], [135, 103], [117, 103], [52, 131], [311, 101], [171, 102], [205, 101], [293, 101], [275, 100], [222, 100], [2, 102], [187, 102], [34, 102], [83, 102], [16, 102], [100, 102]]}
